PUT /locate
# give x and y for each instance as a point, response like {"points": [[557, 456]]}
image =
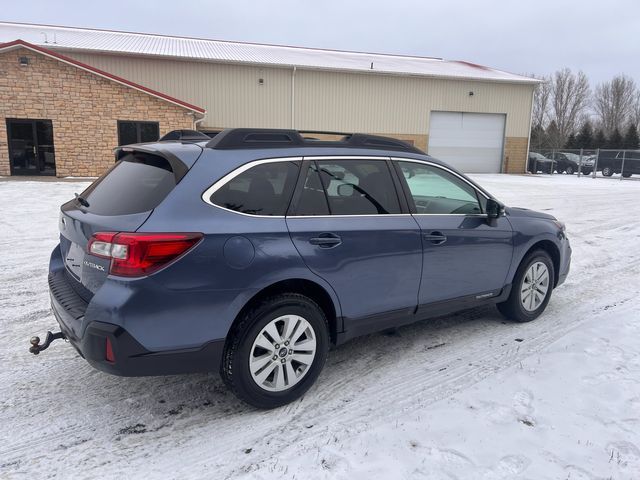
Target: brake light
{"points": [[139, 254]]}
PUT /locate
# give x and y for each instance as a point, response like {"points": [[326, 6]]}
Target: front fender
{"points": [[527, 232]]}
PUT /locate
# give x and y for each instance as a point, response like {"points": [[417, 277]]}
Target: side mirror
{"points": [[345, 190], [494, 208]]}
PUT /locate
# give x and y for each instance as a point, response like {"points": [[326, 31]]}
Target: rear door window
{"points": [[358, 187], [136, 183], [264, 189], [313, 200]]}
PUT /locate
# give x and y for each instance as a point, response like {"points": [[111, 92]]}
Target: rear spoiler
{"points": [[178, 167]]}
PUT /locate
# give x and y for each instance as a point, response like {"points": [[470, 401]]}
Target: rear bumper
{"points": [[131, 358]]}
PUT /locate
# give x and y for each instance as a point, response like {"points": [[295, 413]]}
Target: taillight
{"points": [[139, 254]]}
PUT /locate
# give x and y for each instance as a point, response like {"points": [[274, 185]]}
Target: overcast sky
{"points": [[535, 36]]}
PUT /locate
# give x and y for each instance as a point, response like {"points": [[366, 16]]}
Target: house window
{"points": [[137, 132]]}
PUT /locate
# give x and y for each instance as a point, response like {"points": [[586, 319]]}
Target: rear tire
{"points": [[607, 171], [531, 288], [626, 175], [276, 351]]}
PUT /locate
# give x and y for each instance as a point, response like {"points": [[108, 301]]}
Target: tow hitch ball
{"points": [[36, 347]]}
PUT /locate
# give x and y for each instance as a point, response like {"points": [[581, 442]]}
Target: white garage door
{"points": [[471, 142]]}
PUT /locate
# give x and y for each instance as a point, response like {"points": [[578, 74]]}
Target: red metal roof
{"points": [[45, 51]]}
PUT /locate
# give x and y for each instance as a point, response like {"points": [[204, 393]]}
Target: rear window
{"points": [[137, 183]]}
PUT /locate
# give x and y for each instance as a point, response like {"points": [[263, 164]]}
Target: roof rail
{"points": [[242, 138], [184, 135]]}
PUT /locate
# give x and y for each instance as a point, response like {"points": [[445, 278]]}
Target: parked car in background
{"points": [[571, 163], [564, 164], [252, 252], [611, 161], [184, 136], [211, 133], [540, 163], [588, 164]]}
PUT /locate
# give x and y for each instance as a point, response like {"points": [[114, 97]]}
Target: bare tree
{"points": [[616, 103], [570, 95], [541, 97], [635, 118]]}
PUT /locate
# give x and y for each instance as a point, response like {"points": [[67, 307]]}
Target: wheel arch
{"points": [[302, 286], [553, 251]]}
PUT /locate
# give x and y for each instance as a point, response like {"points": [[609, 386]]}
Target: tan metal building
{"points": [[475, 117]]}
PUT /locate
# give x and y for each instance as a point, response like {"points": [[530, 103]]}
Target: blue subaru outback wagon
{"points": [[253, 252]]}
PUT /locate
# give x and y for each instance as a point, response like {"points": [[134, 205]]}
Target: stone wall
{"points": [[84, 109]]}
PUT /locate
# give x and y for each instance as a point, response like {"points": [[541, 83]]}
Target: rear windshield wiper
{"points": [[82, 201]]}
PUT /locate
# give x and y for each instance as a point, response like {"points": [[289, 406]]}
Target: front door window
{"points": [[436, 191], [31, 149]]}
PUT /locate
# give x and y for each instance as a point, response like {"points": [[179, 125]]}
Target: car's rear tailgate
{"points": [[121, 200]]}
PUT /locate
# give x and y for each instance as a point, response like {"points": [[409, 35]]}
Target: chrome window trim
{"points": [[206, 195], [479, 215], [243, 168], [378, 215], [346, 157], [442, 167]]}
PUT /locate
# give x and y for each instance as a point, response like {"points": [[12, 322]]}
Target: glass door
{"points": [[31, 149]]}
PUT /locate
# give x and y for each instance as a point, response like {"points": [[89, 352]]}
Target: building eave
{"points": [[15, 44]]}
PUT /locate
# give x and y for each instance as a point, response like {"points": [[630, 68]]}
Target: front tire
{"points": [[531, 288], [276, 351], [569, 170], [607, 171], [626, 175]]}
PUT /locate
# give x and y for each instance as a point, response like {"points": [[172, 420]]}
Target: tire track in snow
{"points": [[369, 379]]}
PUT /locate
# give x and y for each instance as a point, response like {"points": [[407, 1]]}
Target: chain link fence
{"points": [[584, 162]]}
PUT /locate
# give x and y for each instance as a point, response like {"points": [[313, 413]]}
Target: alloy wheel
{"points": [[282, 353], [535, 286]]}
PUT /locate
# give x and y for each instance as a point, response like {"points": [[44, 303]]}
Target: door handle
{"points": [[326, 240], [437, 238]]}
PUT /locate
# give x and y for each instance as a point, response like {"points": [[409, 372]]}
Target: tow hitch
{"points": [[36, 347]]}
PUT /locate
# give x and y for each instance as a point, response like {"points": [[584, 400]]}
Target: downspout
{"points": [[526, 159], [293, 98], [196, 122]]}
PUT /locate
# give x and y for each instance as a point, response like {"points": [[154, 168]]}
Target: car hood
{"points": [[525, 212]]}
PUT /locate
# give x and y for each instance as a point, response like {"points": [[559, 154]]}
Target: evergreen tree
{"points": [[599, 139], [538, 138], [631, 139], [571, 142], [615, 139], [585, 136], [554, 138]]}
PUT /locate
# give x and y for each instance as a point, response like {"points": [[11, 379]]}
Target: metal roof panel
{"points": [[57, 37]]}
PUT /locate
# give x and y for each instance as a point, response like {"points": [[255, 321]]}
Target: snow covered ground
{"points": [[468, 396]]}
